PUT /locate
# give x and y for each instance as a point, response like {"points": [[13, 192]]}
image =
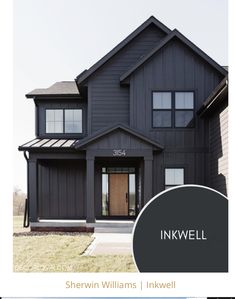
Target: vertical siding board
{"points": [[108, 77], [63, 193]]}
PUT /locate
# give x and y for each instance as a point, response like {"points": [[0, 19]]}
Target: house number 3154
{"points": [[119, 153]]}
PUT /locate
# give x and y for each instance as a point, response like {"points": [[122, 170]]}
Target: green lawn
{"points": [[62, 253]]}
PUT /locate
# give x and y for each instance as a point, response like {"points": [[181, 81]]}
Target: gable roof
{"points": [[218, 95], [102, 133], [152, 20], [58, 88], [174, 34]]}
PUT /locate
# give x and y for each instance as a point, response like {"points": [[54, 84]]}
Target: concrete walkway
{"points": [[110, 243]]}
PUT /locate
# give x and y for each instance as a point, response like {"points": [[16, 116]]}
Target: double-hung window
{"points": [[184, 109], [64, 121], [54, 121], [174, 177], [162, 110], [173, 109]]}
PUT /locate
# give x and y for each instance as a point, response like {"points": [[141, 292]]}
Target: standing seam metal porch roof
{"points": [[48, 143]]}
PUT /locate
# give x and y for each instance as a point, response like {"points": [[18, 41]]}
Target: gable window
{"points": [[174, 177], [63, 121], [173, 109], [162, 113], [184, 109]]}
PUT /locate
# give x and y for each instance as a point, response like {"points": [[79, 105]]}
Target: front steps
{"points": [[100, 226]]}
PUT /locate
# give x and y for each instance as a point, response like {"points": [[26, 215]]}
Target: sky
{"points": [[55, 40]]}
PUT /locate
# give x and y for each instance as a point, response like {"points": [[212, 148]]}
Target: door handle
{"points": [[127, 196]]}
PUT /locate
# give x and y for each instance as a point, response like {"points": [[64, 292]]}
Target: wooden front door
{"points": [[118, 194]]}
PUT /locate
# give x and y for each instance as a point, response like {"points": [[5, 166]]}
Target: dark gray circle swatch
{"points": [[184, 229]]}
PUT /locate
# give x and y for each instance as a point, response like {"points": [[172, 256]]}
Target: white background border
{"points": [[12, 284]]}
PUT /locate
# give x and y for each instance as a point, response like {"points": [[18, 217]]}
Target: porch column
{"points": [[148, 179], [90, 190], [32, 190]]}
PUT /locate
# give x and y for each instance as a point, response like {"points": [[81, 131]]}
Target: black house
{"points": [[135, 123]]}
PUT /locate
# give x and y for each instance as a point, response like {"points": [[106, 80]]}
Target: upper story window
{"points": [[54, 121], [162, 110], [174, 177], [173, 109], [73, 121], [63, 121], [184, 109]]}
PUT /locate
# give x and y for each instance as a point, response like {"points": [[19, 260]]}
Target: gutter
{"points": [[26, 209], [204, 109]]}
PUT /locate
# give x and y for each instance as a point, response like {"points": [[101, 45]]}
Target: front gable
{"points": [[118, 138]]}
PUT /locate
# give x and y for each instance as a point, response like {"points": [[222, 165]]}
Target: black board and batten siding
{"points": [[61, 189], [108, 101], [174, 68]]}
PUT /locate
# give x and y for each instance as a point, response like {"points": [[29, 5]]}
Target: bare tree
{"points": [[18, 201]]}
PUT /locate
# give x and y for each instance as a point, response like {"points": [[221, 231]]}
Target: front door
{"points": [[118, 194]]}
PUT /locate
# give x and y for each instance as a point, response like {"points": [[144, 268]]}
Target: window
{"points": [[162, 113], [54, 121], [173, 109], [184, 109], [174, 177], [63, 121], [73, 121]]}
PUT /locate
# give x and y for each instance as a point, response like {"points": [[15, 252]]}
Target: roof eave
{"points": [[213, 100], [41, 96]]}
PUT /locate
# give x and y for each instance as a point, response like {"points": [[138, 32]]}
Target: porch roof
{"points": [[118, 127], [48, 143]]}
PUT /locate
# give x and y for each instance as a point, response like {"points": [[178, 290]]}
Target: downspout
{"points": [[26, 209]]}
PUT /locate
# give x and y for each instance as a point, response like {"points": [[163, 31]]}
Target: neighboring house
{"points": [[126, 129], [215, 110]]}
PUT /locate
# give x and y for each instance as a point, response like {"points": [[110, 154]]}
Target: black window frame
{"points": [[64, 133], [173, 109], [173, 167]]}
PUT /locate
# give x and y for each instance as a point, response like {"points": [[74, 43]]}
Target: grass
{"points": [[62, 253], [18, 225]]}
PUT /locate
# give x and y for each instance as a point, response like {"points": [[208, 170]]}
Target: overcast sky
{"points": [[54, 40]]}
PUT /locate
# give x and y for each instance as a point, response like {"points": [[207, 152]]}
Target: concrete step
{"points": [[113, 229]]}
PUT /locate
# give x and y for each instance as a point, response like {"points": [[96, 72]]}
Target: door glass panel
{"points": [[132, 194], [105, 209]]}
